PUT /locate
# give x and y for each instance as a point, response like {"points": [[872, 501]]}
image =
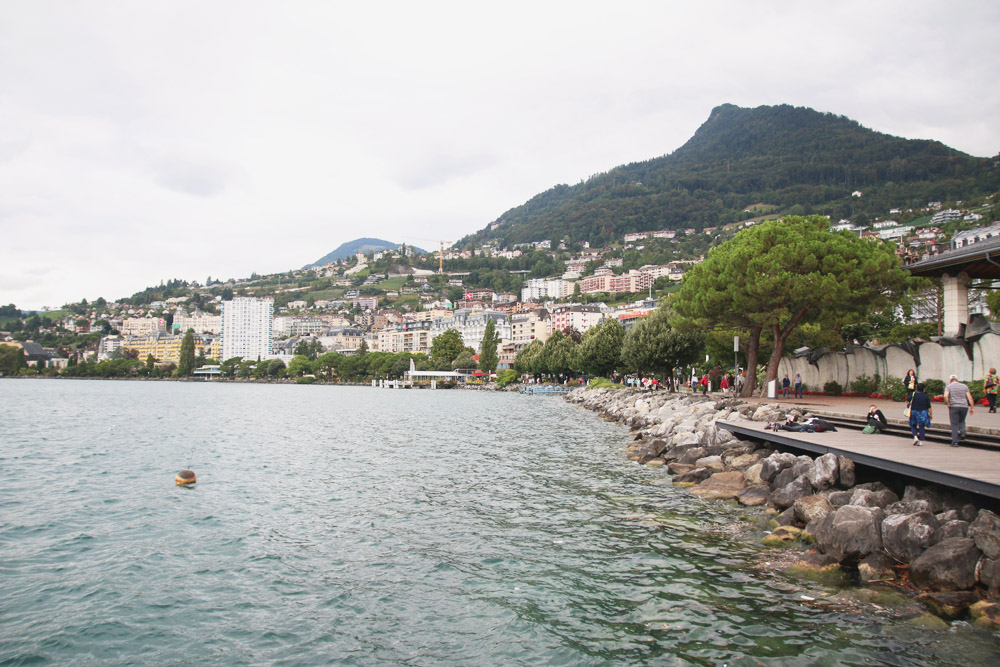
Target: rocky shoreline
{"points": [[935, 543]]}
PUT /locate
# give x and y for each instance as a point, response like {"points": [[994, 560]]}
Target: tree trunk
{"points": [[780, 335], [753, 346]]}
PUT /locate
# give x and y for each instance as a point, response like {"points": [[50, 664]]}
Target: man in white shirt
{"points": [[959, 401]]}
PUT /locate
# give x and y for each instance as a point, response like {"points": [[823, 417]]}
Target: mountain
{"points": [[351, 248], [793, 160]]}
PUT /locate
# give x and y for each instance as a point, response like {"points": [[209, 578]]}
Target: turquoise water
{"points": [[355, 526]]}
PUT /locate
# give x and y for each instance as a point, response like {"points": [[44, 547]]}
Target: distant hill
{"points": [[792, 160], [351, 248]]}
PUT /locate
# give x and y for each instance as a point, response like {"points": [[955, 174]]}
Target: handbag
{"points": [[906, 411]]}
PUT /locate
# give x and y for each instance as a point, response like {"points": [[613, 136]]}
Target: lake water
{"points": [[359, 526]]}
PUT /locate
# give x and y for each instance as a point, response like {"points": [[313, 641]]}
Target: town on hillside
{"points": [[399, 301]]}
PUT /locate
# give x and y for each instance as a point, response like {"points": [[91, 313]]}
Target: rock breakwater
{"points": [[924, 536]]}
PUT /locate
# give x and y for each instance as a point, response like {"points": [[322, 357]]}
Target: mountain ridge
{"points": [[350, 248], [796, 159]]}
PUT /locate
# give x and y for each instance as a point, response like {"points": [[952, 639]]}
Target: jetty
{"points": [[545, 389]]}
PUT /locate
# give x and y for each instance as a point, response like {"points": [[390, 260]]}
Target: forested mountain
{"points": [[351, 248], [793, 160]]}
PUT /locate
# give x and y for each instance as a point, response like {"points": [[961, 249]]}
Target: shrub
{"points": [[865, 385], [833, 388], [934, 387], [507, 377], [602, 383], [894, 388], [976, 388]]}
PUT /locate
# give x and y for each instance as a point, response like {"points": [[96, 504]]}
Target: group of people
{"points": [[786, 385], [957, 397]]}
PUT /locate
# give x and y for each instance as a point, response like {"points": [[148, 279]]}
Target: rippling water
{"points": [[349, 525]]}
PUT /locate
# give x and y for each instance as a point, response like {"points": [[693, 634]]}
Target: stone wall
{"points": [[934, 360]]}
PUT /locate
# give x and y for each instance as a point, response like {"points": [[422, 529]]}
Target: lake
{"points": [[360, 526]]}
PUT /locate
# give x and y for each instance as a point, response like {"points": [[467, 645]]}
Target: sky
{"points": [[144, 141]]}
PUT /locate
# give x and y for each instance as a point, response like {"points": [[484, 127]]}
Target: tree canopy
{"points": [[782, 273]]}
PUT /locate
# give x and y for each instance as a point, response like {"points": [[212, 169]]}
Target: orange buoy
{"points": [[185, 477]]}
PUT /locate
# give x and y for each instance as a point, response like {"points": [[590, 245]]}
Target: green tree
{"points": [[186, 365], [464, 360], [781, 273], [300, 365], [653, 346], [528, 357], [11, 360], [600, 350], [445, 348], [309, 347], [488, 356], [558, 355]]}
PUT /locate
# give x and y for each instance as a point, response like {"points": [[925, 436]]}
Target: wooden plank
{"points": [[973, 470]]}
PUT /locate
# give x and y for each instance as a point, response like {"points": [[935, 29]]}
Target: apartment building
{"points": [[142, 326], [247, 328]]}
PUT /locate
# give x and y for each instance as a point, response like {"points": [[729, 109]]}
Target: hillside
{"points": [[349, 249], [794, 160]]}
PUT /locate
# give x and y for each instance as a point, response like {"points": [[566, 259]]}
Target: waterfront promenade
{"points": [[976, 470]]}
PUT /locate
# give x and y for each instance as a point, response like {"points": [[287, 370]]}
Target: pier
{"points": [[545, 389], [976, 470]]}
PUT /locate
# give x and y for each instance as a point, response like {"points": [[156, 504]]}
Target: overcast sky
{"points": [[143, 141]]}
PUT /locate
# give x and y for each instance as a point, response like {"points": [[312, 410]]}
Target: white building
{"points": [[247, 328], [539, 289], [142, 326], [199, 321]]}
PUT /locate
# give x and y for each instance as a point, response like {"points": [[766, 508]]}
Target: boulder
{"points": [[810, 508], [909, 507], [875, 567], [845, 467], [989, 575], [774, 464], [752, 474], [925, 493], [721, 485], [957, 528], [741, 462], [754, 495], [655, 463], [849, 533], [906, 536], [679, 468], [690, 454], [824, 472], [949, 606], [867, 498], [800, 487], [694, 476], [948, 515], [986, 614], [818, 567], [713, 462], [802, 466], [947, 566], [781, 535], [985, 530], [786, 518], [840, 498]]}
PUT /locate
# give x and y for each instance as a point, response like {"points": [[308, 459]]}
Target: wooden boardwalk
{"points": [[973, 470]]}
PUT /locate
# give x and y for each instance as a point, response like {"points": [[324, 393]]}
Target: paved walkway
{"points": [[981, 420]]}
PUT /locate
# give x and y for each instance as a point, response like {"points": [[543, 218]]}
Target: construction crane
{"points": [[440, 253]]}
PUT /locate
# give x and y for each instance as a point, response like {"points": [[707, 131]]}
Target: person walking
{"points": [[959, 401], [990, 387], [798, 385], [910, 382], [921, 414]]}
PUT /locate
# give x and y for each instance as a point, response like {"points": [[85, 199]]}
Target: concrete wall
{"points": [[936, 362]]}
